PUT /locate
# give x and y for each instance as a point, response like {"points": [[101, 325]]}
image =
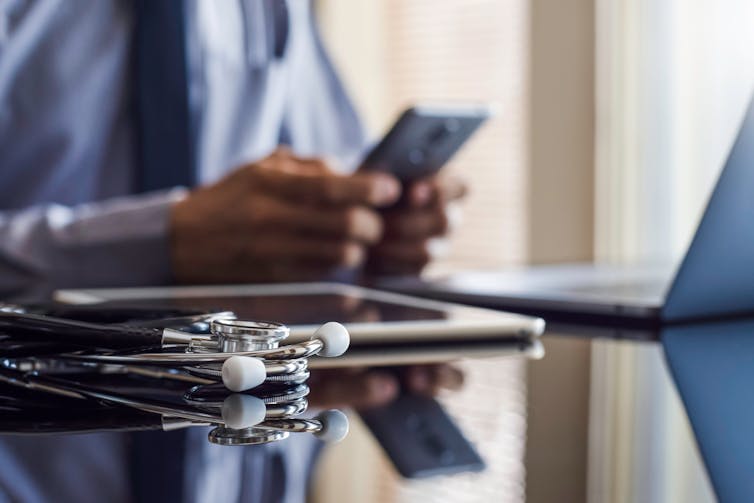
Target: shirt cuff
{"points": [[119, 242]]}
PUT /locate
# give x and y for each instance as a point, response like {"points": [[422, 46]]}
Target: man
{"points": [[110, 111], [75, 138]]}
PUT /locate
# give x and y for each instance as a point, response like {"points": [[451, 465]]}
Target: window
{"points": [[394, 53]]}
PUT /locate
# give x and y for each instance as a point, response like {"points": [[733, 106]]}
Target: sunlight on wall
{"points": [[394, 53]]}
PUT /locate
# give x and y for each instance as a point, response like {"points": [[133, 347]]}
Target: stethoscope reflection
{"points": [[237, 419], [243, 382]]}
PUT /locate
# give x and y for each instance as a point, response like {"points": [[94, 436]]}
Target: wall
{"points": [[561, 229]]}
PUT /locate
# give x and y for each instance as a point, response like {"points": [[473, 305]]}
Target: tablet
{"points": [[384, 327]]}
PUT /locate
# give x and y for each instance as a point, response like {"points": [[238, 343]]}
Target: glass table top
{"points": [[596, 419]]}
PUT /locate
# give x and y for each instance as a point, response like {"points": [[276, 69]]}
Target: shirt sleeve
{"points": [[118, 242], [320, 119]]}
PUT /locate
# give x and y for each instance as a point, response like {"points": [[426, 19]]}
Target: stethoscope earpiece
{"points": [[334, 426], [241, 373], [335, 339], [242, 411]]}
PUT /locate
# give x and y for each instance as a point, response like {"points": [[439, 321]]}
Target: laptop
{"points": [[714, 279]]}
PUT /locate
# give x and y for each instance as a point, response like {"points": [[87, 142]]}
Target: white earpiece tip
{"points": [[243, 411], [243, 372], [334, 426], [335, 338]]}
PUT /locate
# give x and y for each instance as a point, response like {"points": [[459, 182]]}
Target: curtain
{"points": [[673, 81]]}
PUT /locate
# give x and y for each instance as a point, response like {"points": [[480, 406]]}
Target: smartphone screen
{"points": [[423, 139]]}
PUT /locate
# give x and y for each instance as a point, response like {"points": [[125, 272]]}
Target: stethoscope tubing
{"points": [[37, 327], [276, 371], [278, 406], [180, 357], [279, 415], [147, 333], [97, 335], [60, 386]]}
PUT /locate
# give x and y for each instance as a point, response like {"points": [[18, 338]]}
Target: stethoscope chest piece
{"points": [[222, 435], [240, 336]]}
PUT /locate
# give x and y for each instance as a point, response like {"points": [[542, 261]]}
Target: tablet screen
{"points": [[371, 316], [297, 309]]}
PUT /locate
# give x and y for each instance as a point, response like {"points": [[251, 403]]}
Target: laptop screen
{"points": [[717, 275]]}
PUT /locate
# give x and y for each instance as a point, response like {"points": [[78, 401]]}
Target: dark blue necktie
{"points": [[164, 158], [165, 154], [156, 461]]}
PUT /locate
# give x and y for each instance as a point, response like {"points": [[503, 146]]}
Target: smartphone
{"points": [[420, 438], [424, 138]]}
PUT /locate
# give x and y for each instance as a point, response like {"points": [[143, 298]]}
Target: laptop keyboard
{"points": [[633, 289]]}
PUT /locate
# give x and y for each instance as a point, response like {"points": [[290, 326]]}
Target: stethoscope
{"points": [[219, 355], [209, 347], [238, 418]]}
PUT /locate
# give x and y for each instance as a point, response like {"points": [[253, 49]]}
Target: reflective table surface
{"points": [[597, 419]]}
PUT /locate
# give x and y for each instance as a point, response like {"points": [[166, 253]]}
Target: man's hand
{"points": [[423, 216], [363, 388], [280, 219]]}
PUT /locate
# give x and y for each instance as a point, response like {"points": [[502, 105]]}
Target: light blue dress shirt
{"points": [[66, 213], [65, 128]]}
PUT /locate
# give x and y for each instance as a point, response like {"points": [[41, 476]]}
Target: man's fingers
{"points": [[286, 250], [399, 257], [362, 389], [263, 256], [402, 257], [416, 223], [244, 252], [436, 190], [357, 223], [372, 189], [282, 273], [320, 166], [410, 252], [357, 389], [430, 379]]}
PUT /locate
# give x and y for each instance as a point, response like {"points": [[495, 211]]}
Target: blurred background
{"points": [[613, 120]]}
